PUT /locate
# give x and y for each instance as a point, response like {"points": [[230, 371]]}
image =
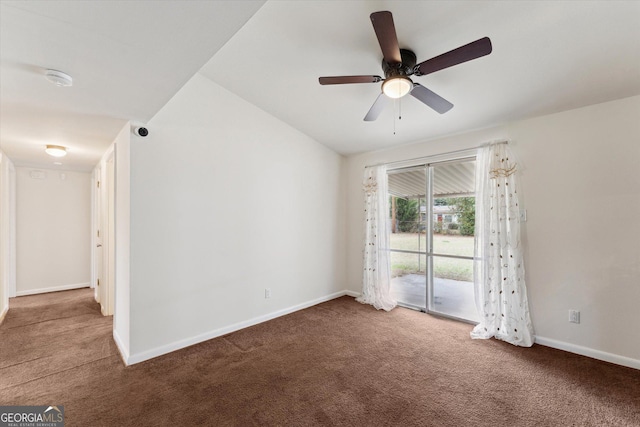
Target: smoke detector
{"points": [[59, 78]]}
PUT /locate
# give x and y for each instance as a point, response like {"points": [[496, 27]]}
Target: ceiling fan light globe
{"points": [[397, 87]]}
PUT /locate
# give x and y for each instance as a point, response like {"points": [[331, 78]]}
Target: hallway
{"points": [[45, 335]]}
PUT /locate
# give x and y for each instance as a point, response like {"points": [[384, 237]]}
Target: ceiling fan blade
{"points": [[376, 108], [338, 80], [457, 56], [431, 99], [386, 33]]}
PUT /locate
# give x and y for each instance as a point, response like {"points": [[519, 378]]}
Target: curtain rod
{"points": [[501, 141]]}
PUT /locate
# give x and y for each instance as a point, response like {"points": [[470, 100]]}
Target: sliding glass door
{"points": [[432, 237], [408, 237], [452, 211]]}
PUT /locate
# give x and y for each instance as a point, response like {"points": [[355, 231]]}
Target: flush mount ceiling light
{"points": [[59, 78], [56, 150], [397, 87]]}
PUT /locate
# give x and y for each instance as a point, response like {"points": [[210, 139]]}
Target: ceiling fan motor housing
{"points": [[403, 69]]}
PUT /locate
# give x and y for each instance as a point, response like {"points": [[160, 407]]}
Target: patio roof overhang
{"points": [[449, 180]]}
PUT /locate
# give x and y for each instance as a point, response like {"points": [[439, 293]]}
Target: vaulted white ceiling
{"points": [[128, 58], [548, 56]]}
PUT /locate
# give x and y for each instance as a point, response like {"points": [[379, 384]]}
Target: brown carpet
{"points": [[338, 363]]}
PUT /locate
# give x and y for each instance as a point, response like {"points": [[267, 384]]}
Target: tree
{"points": [[465, 208], [393, 215], [407, 213]]}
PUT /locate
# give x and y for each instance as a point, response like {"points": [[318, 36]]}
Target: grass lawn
{"points": [[446, 268]]}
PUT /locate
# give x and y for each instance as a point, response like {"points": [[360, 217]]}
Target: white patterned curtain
{"points": [[501, 294], [376, 280]]}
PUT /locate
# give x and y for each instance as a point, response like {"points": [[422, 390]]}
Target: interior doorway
{"points": [[432, 237], [96, 245], [104, 234]]}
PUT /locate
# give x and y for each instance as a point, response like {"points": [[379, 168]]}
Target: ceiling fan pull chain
{"points": [[395, 104], [397, 107]]}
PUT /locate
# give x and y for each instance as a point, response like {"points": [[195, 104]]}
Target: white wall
{"points": [[582, 192], [226, 201], [121, 314], [581, 189], [7, 232], [53, 227]]}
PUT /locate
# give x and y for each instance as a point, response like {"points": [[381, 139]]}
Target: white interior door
{"points": [[98, 258], [104, 237], [109, 237]]}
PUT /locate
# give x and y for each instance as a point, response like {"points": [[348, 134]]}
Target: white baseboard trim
{"points": [[52, 289], [589, 352], [124, 352], [353, 294], [177, 345], [4, 313]]}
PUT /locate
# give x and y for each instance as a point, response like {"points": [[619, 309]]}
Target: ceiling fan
{"points": [[398, 64]]}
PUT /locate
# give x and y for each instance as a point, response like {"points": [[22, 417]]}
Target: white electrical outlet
{"points": [[267, 293], [574, 316]]}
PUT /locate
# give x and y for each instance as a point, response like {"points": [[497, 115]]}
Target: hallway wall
{"points": [[53, 229], [226, 201], [7, 232]]}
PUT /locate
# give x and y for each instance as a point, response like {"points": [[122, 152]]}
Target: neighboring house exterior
{"points": [[442, 217], [441, 214]]}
